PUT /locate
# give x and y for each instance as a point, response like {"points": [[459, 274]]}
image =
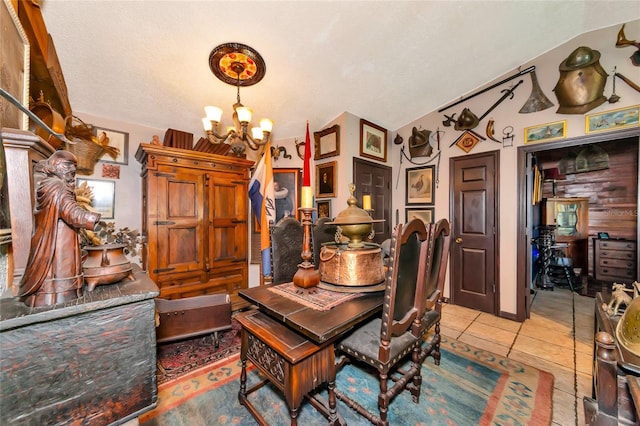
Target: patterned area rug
{"points": [[471, 386], [179, 358]]}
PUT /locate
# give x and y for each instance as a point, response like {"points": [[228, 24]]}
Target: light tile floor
{"points": [[545, 341]]}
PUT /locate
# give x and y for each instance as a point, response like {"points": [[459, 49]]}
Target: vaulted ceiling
{"points": [[389, 62]]}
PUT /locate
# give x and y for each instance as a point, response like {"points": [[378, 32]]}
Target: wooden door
{"points": [[375, 179], [179, 223], [474, 254]]}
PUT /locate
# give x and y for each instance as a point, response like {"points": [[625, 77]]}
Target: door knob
{"points": [[458, 240]]}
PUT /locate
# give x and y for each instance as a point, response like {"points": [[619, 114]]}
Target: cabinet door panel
{"points": [[227, 219], [179, 222]]}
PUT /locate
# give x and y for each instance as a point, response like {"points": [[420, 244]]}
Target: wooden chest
{"points": [[89, 361], [193, 316]]}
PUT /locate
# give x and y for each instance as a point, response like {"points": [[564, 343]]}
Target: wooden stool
{"points": [[292, 363]]}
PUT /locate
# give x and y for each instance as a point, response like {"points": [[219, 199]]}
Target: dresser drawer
{"points": [[613, 274], [616, 245], [617, 254], [610, 262]]}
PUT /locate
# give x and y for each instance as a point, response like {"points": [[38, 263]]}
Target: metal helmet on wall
{"points": [[581, 85]]}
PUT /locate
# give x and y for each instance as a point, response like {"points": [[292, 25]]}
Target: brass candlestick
{"points": [[306, 278]]}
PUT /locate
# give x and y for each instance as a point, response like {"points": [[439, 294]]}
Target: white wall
{"points": [[506, 114]]}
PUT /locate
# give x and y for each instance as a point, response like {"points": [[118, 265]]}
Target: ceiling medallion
{"points": [[237, 64]]}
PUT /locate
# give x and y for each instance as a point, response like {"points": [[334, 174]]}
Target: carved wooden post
{"points": [[606, 366]]}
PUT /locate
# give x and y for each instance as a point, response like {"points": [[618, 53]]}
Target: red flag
{"points": [[306, 171]]}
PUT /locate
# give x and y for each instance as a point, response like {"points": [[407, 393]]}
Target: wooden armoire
{"points": [[194, 221]]}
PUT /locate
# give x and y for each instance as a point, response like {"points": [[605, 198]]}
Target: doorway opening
{"points": [[617, 213]]}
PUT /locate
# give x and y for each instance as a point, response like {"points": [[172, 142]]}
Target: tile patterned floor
{"points": [[546, 340]]}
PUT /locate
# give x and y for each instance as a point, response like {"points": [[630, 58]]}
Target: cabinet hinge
{"points": [[164, 222]]}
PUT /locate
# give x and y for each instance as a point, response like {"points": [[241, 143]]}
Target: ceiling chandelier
{"points": [[238, 65]]}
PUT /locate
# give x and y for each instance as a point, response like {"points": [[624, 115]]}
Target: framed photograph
{"points": [[287, 185], [373, 141], [546, 132], [14, 67], [118, 140], [612, 120], [104, 196], [420, 185], [424, 214], [327, 142], [323, 208], [326, 179]]}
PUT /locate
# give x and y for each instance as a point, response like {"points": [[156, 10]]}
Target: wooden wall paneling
{"points": [[612, 192]]}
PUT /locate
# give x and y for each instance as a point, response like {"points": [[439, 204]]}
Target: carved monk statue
{"points": [[54, 269]]}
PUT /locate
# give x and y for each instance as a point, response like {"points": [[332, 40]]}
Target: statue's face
{"points": [[66, 170]]}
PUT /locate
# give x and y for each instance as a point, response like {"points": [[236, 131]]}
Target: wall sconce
{"points": [[238, 65]]}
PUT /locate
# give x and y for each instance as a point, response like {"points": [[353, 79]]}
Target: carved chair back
{"points": [[286, 249]]}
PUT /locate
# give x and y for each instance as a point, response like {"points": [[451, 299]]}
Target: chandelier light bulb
{"points": [[206, 123], [244, 114], [256, 132], [266, 125], [213, 113]]}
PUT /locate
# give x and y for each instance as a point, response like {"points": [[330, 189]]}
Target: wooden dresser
{"points": [[194, 221], [614, 260]]}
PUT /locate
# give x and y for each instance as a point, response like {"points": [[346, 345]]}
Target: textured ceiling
{"points": [[389, 62]]}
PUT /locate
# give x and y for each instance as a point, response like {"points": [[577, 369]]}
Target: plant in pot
{"points": [[106, 247]]}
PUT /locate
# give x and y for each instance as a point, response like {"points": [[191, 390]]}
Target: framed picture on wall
{"points": [[373, 141], [104, 196], [546, 132], [286, 188], [325, 180], [118, 140], [327, 142], [424, 214], [620, 118], [420, 185], [323, 208]]}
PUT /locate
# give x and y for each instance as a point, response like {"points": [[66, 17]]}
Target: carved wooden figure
{"points": [[54, 269]]}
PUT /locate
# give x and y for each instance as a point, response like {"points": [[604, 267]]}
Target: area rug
{"points": [[471, 386], [179, 358]]}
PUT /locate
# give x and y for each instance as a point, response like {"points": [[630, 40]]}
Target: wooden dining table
{"points": [[291, 343]]}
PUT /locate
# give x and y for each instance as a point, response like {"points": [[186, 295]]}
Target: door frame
{"points": [[525, 153]]}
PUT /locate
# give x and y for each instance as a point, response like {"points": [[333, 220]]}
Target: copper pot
{"points": [[345, 266], [51, 118], [106, 264]]}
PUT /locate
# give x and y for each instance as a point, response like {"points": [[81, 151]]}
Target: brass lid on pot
{"points": [[353, 215], [354, 222]]}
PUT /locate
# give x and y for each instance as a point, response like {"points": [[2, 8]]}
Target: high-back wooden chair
{"points": [[286, 249], [383, 342], [437, 252]]}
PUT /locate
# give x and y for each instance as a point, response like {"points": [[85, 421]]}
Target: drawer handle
{"points": [[605, 262]]}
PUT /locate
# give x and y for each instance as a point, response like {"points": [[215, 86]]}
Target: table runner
{"points": [[322, 300]]}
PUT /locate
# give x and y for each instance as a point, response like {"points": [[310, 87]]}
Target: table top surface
{"points": [[14, 313], [319, 326]]}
